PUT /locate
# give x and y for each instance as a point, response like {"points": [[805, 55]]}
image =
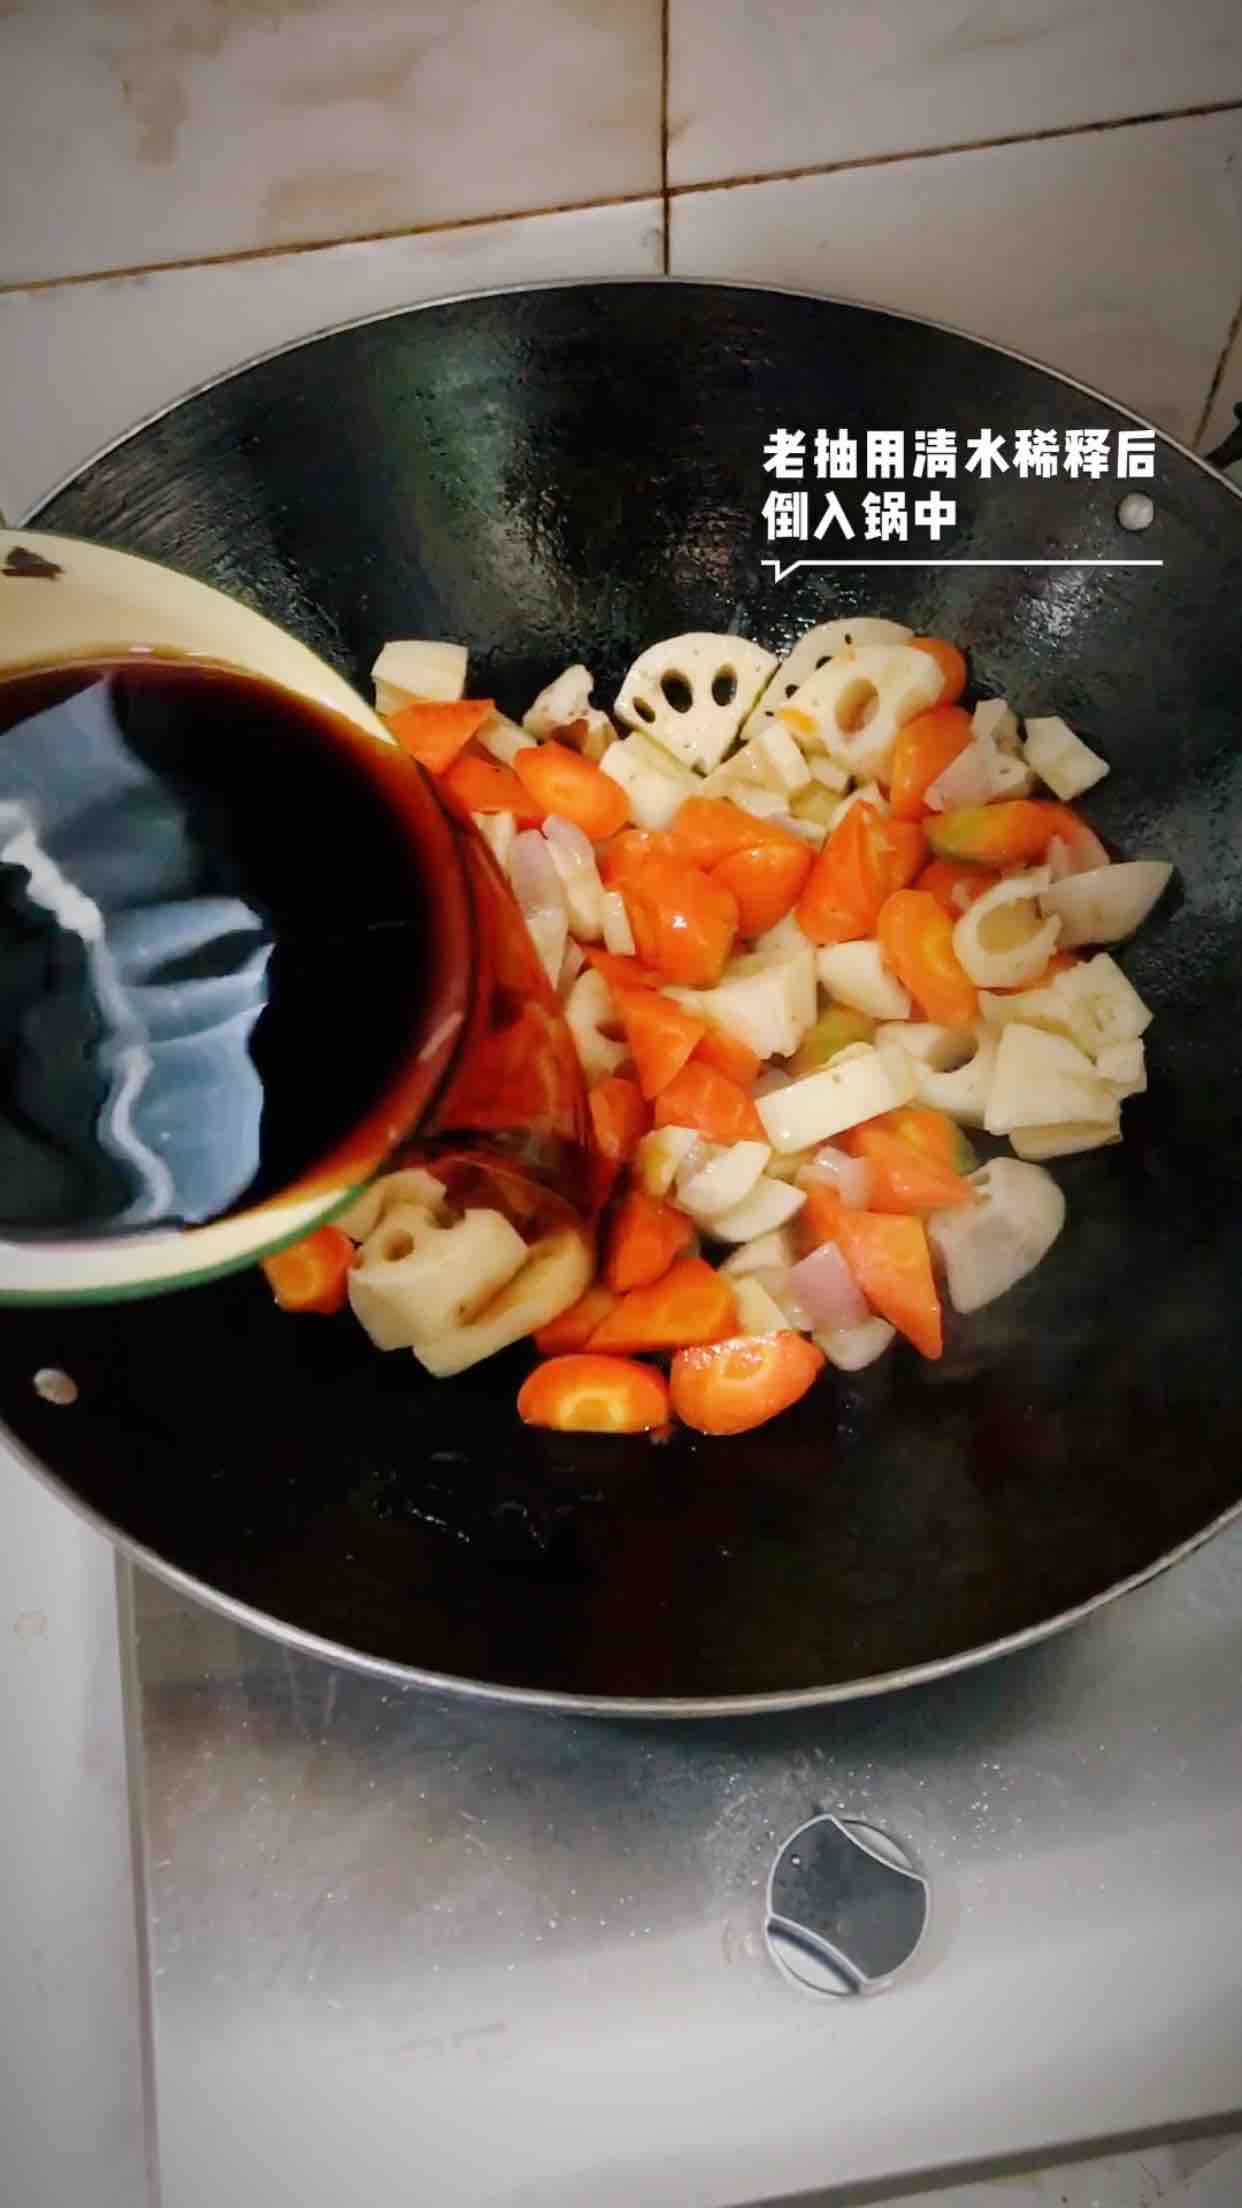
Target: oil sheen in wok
{"points": [[212, 928]]}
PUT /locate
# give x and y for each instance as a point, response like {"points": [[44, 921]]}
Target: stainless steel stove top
{"points": [[406, 1948]]}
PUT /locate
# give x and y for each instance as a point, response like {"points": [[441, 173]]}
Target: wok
{"points": [[572, 473]]}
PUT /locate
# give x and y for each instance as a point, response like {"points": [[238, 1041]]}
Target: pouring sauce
{"points": [[215, 942]]}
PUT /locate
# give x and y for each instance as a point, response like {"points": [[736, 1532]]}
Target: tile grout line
{"points": [[321, 245], [666, 191], [665, 44], [965, 145], [1218, 377]]}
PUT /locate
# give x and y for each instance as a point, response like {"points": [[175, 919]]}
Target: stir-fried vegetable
{"points": [[313, 1274], [434, 734], [806, 922], [739, 1384], [924, 748], [644, 1237], [917, 939], [589, 1394]]}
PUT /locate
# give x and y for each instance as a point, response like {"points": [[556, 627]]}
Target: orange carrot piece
{"points": [[729, 1055], [433, 732], [955, 885], [644, 1237], [702, 1098], [924, 748], [690, 1304], [891, 1262], [313, 1274], [950, 662], [930, 1131], [590, 1394], [904, 1178], [619, 1117], [817, 1220], [733, 1386], [915, 935], [484, 786], [902, 854], [1012, 833], [842, 894], [767, 880], [865, 859], [684, 923], [620, 970], [628, 851], [565, 783], [660, 1034], [709, 829], [574, 1328]]}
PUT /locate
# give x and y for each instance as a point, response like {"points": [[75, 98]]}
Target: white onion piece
{"points": [[835, 1169], [532, 874], [541, 898], [768, 1253], [775, 1279], [569, 838], [827, 1289], [769, 1205], [618, 934], [574, 859]]}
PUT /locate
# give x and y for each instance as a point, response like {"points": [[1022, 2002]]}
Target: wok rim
{"points": [[600, 283], [637, 1707], [632, 1707]]}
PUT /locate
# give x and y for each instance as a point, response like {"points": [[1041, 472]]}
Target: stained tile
{"points": [[142, 131], [80, 363], [1112, 256], [755, 90]]}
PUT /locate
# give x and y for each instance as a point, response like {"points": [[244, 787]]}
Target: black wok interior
{"points": [[573, 473]]}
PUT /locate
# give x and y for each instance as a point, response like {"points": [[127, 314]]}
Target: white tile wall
{"points": [[758, 89], [1113, 255], [143, 132], [136, 131], [79, 363]]}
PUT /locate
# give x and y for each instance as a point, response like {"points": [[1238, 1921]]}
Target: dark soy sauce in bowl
{"points": [[214, 942]]}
